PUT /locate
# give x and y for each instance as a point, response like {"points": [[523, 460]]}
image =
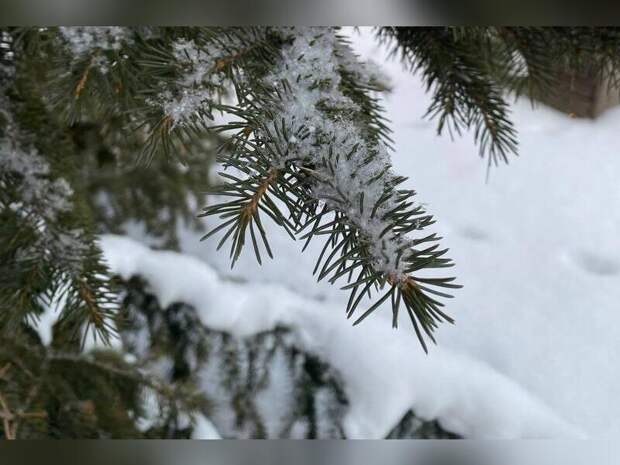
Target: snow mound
{"points": [[204, 429], [385, 371]]}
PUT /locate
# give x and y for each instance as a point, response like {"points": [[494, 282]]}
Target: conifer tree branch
{"points": [[455, 67], [335, 180], [47, 249]]}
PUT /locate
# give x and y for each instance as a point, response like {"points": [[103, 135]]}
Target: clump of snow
{"points": [[82, 40], [199, 81], [34, 183], [184, 105], [279, 397], [348, 162], [150, 407], [467, 396]]}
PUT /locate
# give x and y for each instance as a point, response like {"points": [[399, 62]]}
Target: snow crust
{"points": [[385, 371]]}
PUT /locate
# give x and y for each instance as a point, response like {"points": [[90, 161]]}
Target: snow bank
{"points": [[385, 371]]}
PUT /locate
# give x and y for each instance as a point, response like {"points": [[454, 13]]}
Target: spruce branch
{"points": [[455, 66], [40, 386], [11, 418], [196, 69], [79, 88], [305, 139], [48, 252]]}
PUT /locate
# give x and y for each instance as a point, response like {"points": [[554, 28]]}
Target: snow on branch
{"points": [[312, 127], [82, 40], [50, 196], [199, 64], [36, 195], [356, 179], [466, 395]]}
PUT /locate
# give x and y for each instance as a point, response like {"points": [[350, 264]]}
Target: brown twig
{"points": [[7, 418], [252, 206], [166, 124], [82, 82], [223, 62], [4, 370]]}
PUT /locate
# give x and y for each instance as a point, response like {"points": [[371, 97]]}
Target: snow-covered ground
{"points": [[385, 373], [535, 351]]}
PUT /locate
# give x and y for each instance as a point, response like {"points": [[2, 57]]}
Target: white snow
{"points": [[199, 82], [35, 188], [204, 429], [84, 39], [357, 165], [385, 371], [45, 324]]}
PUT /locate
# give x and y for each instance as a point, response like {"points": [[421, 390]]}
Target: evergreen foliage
{"points": [[55, 393], [258, 387], [103, 128], [469, 71]]}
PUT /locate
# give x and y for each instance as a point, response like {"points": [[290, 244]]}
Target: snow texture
{"points": [[322, 119], [86, 41], [82, 40], [39, 200], [34, 185], [199, 80], [466, 396]]}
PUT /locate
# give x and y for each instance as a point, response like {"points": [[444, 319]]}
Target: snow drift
{"points": [[385, 371]]}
